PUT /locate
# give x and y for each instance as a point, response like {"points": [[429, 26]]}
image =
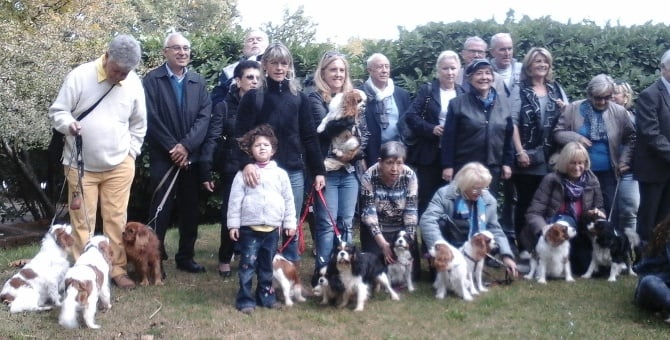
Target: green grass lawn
{"points": [[201, 306]]}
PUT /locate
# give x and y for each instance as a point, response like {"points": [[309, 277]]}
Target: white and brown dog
{"points": [[285, 275], [87, 284], [400, 272], [452, 271], [323, 289], [346, 105], [475, 251], [552, 253], [38, 282], [611, 248]]}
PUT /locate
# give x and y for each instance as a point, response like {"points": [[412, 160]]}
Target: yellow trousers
{"points": [[112, 188]]}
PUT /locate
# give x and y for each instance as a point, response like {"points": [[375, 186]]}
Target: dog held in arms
{"points": [[552, 253], [87, 284], [475, 251], [286, 276], [141, 245], [345, 108], [611, 248], [351, 273], [38, 282], [400, 271], [452, 271]]}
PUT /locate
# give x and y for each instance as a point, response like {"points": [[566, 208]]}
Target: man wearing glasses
{"points": [[255, 43], [178, 113]]}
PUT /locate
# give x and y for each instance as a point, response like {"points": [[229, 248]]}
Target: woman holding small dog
{"points": [[463, 208], [572, 190], [331, 80]]}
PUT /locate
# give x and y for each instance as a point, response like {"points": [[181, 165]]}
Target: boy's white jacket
{"points": [[269, 203]]}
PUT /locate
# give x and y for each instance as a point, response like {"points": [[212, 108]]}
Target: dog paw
{"points": [[586, 276], [528, 277], [300, 298], [94, 326], [468, 298], [542, 281], [611, 279], [358, 309], [439, 296], [144, 283], [483, 289], [569, 279], [411, 289], [159, 283], [395, 297]]}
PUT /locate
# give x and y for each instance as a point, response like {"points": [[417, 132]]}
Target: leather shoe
{"points": [[190, 266], [123, 281]]}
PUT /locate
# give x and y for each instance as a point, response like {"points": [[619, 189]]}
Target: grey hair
{"points": [[125, 51], [665, 60], [499, 36], [372, 58], [172, 35], [392, 149], [599, 85], [279, 52], [474, 39], [446, 55]]}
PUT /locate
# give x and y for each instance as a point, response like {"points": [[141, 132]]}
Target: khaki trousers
{"points": [[113, 189]]}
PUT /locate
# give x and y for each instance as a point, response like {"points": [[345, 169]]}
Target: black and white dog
{"points": [[611, 248], [351, 272], [400, 272]]}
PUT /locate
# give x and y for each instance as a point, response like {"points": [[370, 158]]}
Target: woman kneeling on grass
{"points": [[255, 213], [653, 288]]}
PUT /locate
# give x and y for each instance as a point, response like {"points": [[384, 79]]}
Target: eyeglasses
{"points": [[178, 48], [602, 98], [252, 77]]}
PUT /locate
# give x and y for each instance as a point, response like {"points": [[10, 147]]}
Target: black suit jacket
{"points": [[372, 109], [651, 161]]}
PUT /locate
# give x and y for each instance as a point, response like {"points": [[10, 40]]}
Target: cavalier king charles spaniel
{"points": [[452, 271], [351, 273], [286, 276], [611, 248], [87, 284], [38, 282], [345, 107], [141, 245], [400, 271], [475, 251], [551, 257]]}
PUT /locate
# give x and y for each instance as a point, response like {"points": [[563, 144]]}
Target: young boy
{"points": [[254, 214]]}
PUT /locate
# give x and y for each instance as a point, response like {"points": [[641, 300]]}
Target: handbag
{"points": [[408, 136], [536, 156], [57, 142]]}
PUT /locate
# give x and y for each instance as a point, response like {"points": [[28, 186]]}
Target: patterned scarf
{"points": [[384, 98], [593, 122], [489, 100], [476, 217], [573, 192]]}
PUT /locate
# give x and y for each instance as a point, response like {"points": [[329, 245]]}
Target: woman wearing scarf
{"points": [[461, 209], [604, 128], [386, 107], [541, 100], [570, 193], [479, 128]]}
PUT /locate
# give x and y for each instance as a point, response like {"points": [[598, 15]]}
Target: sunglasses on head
{"points": [[332, 54]]}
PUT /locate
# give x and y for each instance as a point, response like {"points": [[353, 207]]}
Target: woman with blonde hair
{"points": [[570, 193]]}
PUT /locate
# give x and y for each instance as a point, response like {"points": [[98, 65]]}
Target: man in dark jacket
{"points": [[178, 113], [386, 107], [651, 160]]}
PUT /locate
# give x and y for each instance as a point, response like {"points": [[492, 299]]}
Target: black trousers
{"points": [[182, 201], [654, 207]]}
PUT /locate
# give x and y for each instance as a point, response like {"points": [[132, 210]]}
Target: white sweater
{"points": [[114, 129], [270, 203]]}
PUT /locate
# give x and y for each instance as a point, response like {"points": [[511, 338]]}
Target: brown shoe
{"points": [[123, 281]]}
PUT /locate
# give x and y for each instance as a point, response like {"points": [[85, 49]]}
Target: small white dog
{"points": [[552, 253], [87, 284], [286, 276], [452, 271], [400, 272], [475, 251], [38, 281]]}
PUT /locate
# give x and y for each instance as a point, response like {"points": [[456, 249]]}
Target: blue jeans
{"points": [[297, 179], [257, 250], [653, 294], [341, 194], [628, 201]]}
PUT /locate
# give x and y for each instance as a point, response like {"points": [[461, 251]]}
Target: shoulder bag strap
{"points": [[85, 113]]}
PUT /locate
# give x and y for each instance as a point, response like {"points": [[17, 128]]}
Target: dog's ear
{"points": [[350, 102], [141, 238], [481, 245], [107, 252]]}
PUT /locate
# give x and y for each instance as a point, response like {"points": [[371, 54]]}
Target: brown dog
{"points": [[141, 246]]}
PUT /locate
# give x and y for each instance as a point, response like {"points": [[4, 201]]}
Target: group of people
{"points": [[483, 131]]}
